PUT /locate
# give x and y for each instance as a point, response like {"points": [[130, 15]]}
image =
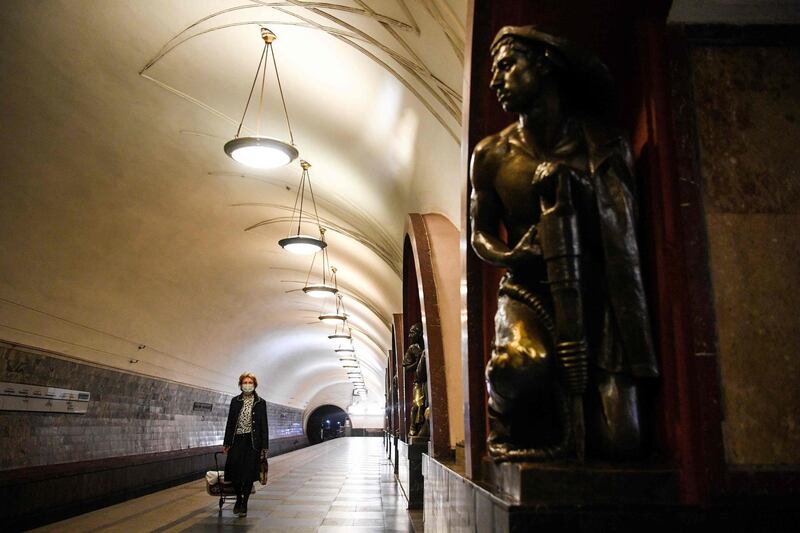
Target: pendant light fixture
{"points": [[339, 334], [338, 316], [260, 151], [297, 243], [321, 290]]}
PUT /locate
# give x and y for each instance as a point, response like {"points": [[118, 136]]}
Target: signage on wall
{"points": [[202, 407], [21, 397]]}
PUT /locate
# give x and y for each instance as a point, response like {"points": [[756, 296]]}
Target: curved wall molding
{"points": [[418, 262]]}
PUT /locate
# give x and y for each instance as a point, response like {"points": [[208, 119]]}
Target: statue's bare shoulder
{"points": [[489, 154]]}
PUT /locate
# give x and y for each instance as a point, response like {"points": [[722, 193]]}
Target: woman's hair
{"points": [[248, 375]]}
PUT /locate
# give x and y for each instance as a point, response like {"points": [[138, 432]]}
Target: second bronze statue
{"points": [[414, 359], [572, 343]]}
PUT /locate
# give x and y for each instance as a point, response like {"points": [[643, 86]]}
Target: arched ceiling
{"points": [[131, 240]]}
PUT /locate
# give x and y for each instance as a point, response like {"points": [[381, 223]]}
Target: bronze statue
{"points": [[395, 407], [414, 358], [572, 336]]}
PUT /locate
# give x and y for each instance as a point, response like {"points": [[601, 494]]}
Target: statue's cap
{"points": [[584, 68]]}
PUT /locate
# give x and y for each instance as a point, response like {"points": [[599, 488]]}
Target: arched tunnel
{"points": [[326, 422]]}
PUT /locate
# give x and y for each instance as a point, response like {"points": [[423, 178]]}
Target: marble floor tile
{"points": [[342, 486]]}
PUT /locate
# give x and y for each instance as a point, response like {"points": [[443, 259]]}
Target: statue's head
{"points": [[525, 60], [415, 331], [520, 69]]}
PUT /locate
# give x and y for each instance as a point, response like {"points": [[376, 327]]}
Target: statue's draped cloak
{"points": [[627, 345]]}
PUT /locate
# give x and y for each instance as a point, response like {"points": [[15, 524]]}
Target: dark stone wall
{"points": [[748, 123], [128, 414]]}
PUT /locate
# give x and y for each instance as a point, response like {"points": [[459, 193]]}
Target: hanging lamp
{"points": [[338, 316], [339, 334], [259, 151], [321, 290], [297, 243]]}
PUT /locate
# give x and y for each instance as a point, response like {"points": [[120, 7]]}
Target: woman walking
{"points": [[246, 435]]}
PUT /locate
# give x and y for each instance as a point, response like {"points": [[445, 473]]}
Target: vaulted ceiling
{"points": [[128, 238]]}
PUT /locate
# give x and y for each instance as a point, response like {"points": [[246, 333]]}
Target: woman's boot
{"points": [[237, 507], [246, 489]]}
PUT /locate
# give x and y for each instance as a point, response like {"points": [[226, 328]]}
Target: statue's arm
{"points": [[411, 356], [485, 207], [486, 212]]}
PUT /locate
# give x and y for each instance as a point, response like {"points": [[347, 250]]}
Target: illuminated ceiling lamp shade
{"points": [[332, 318], [319, 291], [338, 316], [296, 242], [339, 334], [345, 349], [260, 151], [328, 286]]}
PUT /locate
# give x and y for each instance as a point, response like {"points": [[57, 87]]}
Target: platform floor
{"points": [[343, 485]]}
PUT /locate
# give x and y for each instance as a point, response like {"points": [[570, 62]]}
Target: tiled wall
{"points": [[127, 415], [284, 421]]}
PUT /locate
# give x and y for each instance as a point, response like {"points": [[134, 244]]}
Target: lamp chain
{"points": [[314, 204], [253, 86], [283, 101], [302, 193], [261, 95]]}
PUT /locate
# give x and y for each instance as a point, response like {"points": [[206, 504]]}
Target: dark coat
{"points": [[260, 435]]}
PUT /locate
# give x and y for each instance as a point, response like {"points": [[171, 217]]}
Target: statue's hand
{"points": [[526, 250], [551, 181]]}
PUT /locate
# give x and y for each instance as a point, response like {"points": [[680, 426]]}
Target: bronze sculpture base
{"points": [[567, 483]]}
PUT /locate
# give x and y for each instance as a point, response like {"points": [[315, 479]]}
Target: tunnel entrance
{"points": [[326, 422]]}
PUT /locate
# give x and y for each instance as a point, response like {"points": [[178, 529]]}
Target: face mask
{"points": [[248, 388]]}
